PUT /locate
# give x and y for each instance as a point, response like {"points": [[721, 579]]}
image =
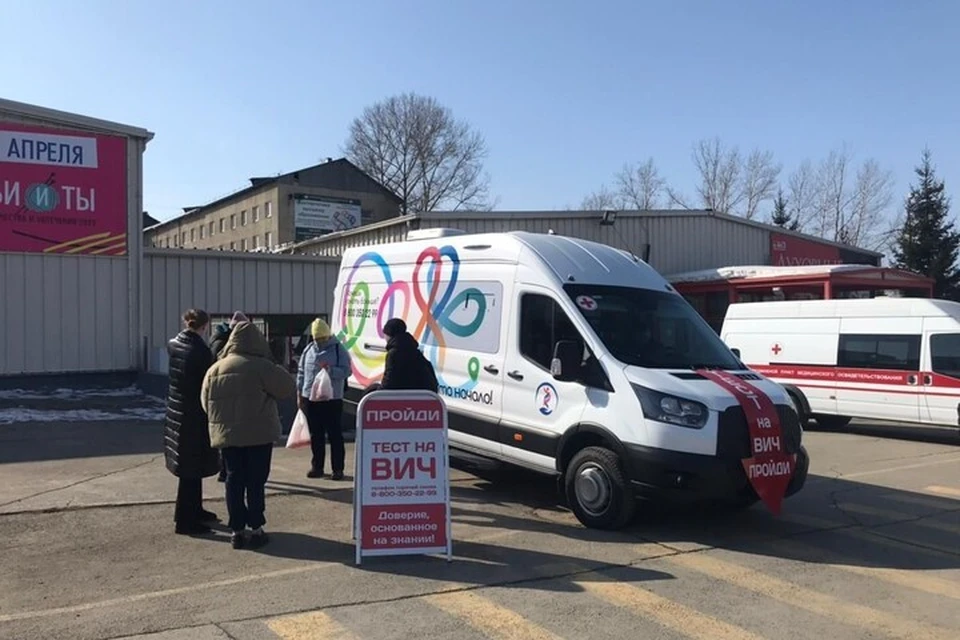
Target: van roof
{"points": [[569, 259], [847, 308]]}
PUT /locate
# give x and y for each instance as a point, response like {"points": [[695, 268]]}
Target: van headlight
{"points": [[671, 409]]}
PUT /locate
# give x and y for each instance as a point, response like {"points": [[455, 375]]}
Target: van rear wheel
{"points": [[597, 489]]}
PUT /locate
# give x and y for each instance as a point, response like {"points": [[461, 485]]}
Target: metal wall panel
{"points": [[64, 313], [222, 282]]}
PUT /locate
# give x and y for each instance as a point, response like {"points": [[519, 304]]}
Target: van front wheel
{"points": [[597, 489]]}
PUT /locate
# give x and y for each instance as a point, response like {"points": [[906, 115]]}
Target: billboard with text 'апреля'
{"points": [[62, 191]]}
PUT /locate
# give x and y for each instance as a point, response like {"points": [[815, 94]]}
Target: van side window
{"points": [[945, 354], [542, 324], [898, 352]]}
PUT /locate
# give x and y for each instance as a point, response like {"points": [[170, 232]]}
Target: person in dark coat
{"points": [[406, 367], [187, 449]]}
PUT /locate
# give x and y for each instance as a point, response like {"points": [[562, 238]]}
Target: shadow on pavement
{"points": [[830, 521], [39, 442], [896, 431]]}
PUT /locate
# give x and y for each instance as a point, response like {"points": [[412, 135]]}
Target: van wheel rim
{"points": [[593, 489]]}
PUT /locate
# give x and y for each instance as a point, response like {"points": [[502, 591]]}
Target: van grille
{"points": [[733, 435]]}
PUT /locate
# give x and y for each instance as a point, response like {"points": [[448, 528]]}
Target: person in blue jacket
{"points": [[324, 418]]}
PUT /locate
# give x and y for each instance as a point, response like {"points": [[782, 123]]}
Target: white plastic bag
{"points": [[299, 433], [322, 388]]}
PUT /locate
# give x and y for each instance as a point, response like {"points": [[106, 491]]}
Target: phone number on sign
{"points": [[402, 493]]}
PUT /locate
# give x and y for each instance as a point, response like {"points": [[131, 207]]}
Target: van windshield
{"points": [[652, 329]]}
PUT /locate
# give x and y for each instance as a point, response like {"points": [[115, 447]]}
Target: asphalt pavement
{"points": [[869, 549]]}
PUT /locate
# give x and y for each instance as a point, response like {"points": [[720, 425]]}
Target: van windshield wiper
{"points": [[713, 367]]}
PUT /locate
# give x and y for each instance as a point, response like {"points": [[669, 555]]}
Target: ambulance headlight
{"points": [[671, 409]]}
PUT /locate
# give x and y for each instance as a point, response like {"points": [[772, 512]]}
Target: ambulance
{"points": [[573, 359], [888, 359]]}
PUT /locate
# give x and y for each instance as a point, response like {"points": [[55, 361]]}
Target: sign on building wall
{"points": [[791, 251], [317, 215], [62, 191]]}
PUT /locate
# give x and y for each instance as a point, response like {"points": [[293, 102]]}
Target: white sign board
{"points": [[402, 490]]}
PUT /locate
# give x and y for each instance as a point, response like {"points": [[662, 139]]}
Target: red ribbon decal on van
{"points": [[770, 467]]}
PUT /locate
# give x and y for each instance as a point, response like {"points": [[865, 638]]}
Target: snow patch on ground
{"points": [[79, 405], [69, 394], [12, 416]]}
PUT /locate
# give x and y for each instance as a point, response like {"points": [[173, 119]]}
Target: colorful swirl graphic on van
{"points": [[430, 294]]}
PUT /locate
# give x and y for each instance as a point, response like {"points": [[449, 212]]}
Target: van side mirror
{"points": [[736, 352], [567, 360]]}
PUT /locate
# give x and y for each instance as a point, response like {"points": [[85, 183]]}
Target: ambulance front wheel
{"points": [[597, 489]]}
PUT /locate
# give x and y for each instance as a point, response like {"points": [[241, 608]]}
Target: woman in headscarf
{"points": [[187, 449], [324, 418]]}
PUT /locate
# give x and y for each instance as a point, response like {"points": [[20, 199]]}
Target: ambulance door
{"points": [[878, 369], [940, 378]]}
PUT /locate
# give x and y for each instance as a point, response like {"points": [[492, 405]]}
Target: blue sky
{"points": [[564, 92]]}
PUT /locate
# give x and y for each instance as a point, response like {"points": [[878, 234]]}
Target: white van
{"points": [[889, 359], [568, 357]]}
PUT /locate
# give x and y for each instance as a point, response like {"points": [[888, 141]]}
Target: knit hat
{"points": [[319, 329], [238, 317], [394, 327]]}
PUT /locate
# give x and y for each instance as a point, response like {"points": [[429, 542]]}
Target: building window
{"points": [[211, 228], [233, 221], [268, 240], [870, 351], [223, 225], [243, 245], [256, 213], [268, 210], [233, 246], [183, 238], [243, 218], [203, 231], [256, 242]]}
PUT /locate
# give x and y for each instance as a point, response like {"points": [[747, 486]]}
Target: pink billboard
{"points": [[62, 191]]}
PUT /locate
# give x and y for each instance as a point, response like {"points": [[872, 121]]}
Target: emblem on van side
{"points": [[586, 303], [546, 399], [776, 348]]}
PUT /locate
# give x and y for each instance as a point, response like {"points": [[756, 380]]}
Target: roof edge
{"points": [[73, 119]]}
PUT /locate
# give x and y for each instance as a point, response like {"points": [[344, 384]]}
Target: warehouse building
{"points": [[272, 212], [672, 241]]}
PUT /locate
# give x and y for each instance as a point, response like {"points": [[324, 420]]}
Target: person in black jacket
{"points": [[187, 449], [406, 367]]}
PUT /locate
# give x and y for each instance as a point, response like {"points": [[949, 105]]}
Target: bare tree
{"points": [[732, 184], [416, 148], [834, 202], [719, 170], [640, 186], [760, 176], [602, 199]]}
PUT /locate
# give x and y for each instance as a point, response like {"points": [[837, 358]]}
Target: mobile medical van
{"points": [[571, 358], [889, 359]]}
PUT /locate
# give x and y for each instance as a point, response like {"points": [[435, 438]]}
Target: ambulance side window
{"points": [[945, 354], [542, 324], [866, 351]]}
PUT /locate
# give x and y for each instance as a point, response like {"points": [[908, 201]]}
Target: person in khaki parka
{"points": [[239, 395]]}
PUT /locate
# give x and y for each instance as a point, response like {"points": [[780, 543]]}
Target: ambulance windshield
{"points": [[652, 329]]}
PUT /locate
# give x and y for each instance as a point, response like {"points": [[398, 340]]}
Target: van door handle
{"points": [[912, 380], [491, 369], [516, 375]]}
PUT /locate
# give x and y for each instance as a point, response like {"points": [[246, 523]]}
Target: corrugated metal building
{"points": [[674, 241], [70, 303], [222, 282]]}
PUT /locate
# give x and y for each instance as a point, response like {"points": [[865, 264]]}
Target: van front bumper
{"points": [[687, 477]]}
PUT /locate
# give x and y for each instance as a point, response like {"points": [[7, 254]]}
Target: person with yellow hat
{"points": [[325, 416]]}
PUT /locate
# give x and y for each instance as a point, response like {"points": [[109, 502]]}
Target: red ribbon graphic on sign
{"points": [[770, 467]]}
